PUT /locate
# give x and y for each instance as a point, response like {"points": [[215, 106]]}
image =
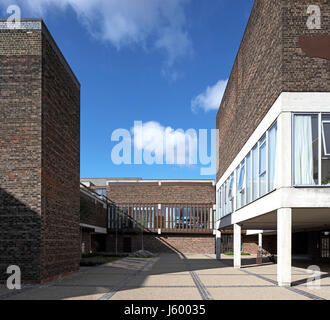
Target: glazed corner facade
{"points": [[275, 83]]}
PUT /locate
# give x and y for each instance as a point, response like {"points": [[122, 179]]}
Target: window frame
{"points": [[320, 143], [260, 145], [231, 187], [235, 176], [241, 188], [326, 151]]}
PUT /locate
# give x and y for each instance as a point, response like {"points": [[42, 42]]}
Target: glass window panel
{"points": [[326, 137], [241, 178], [248, 179], [262, 157], [263, 184], [272, 151], [255, 174], [230, 187], [238, 198], [305, 149], [325, 179]]}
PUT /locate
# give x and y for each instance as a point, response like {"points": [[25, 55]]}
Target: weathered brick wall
{"points": [[301, 73], [167, 193], [250, 244], [202, 244], [39, 159], [60, 251], [20, 156], [92, 212], [268, 62]]}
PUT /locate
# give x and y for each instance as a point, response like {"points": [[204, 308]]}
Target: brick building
{"points": [[273, 167], [176, 215], [40, 155], [93, 220]]}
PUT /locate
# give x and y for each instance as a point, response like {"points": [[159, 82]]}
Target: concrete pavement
{"points": [[176, 277]]}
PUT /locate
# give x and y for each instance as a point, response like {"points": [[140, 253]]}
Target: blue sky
{"points": [[143, 60]]}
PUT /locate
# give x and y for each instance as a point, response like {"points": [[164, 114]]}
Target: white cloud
{"points": [[155, 24], [164, 144], [211, 98]]}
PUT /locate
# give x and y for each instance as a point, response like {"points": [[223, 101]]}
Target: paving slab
{"points": [[158, 294], [60, 293], [174, 277], [265, 293], [235, 280], [322, 292], [163, 280]]}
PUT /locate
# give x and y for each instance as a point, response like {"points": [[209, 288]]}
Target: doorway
{"points": [[127, 245], [325, 245]]}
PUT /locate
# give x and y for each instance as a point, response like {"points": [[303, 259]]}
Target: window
{"points": [[255, 166], [240, 190], [241, 183], [305, 149], [262, 167], [230, 200], [219, 203], [101, 192], [255, 176], [325, 160], [326, 137], [272, 154], [248, 178], [230, 188]]}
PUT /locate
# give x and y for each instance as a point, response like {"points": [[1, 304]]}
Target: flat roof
{"points": [[105, 181]]}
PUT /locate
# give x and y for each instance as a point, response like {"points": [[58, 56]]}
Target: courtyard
{"points": [[178, 277]]}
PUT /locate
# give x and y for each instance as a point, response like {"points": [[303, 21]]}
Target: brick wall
{"points": [[39, 159], [269, 61], [167, 193], [250, 244], [202, 244], [20, 156], [92, 212], [60, 251]]}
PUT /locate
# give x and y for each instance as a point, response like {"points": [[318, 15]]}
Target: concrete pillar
{"points": [[237, 246], [259, 255], [284, 246], [260, 241], [218, 245]]}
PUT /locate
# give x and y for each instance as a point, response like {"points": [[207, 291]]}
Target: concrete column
{"points": [[218, 245], [259, 255], [260, 241], [237, 246], [284, 246]]}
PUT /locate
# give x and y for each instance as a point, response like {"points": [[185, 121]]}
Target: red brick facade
{"points": [[167, 192], [269, 61], [202, 244], [39, 159], [178, 195]]}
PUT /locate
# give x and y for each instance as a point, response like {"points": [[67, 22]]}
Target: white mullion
{"points": [[251, 164], [234, 191], [245, 182], [320, 149], [267, 161], [258, 172]]}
